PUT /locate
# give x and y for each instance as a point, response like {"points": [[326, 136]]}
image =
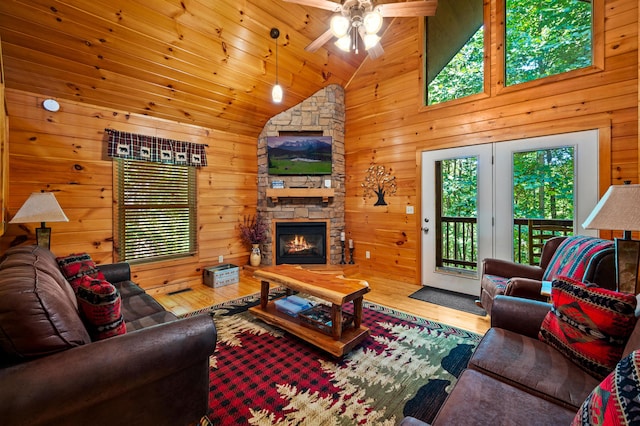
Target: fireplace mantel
{"points": [[324, 193]]}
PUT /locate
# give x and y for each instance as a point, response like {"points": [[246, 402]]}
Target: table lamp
{"points": [[619, 209], [41, 207]]}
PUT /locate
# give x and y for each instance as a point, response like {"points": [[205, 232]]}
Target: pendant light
{"points": [[276, 92]]}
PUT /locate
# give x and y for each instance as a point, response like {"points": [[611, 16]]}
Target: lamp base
{"points": [[627, 260], [43, 237]]}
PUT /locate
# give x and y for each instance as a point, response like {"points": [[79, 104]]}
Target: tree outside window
{"points": [[546, 37]]}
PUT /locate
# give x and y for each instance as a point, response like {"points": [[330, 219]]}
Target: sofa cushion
{"points": [[616, 400], [573, 255], [38, 310], [589, 325], [100, 305], [478, 399], [76, 266], [533, 366]]}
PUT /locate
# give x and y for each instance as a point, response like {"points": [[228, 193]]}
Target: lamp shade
{"points": [[339, 25], [40, 207], [618, 209], [372, 21]]}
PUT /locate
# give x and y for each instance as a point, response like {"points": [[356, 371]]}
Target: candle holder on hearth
{"points": [[342, 260], [351, 262]]}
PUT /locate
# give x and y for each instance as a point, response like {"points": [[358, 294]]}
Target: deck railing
{"points": [[458, 245]]}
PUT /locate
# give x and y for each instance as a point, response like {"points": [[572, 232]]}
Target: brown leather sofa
{"points": [[155, 374], [515, 379]]}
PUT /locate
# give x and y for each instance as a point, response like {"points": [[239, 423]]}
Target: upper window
{"points": [[156, 210], [455, 51], [547, 37]]}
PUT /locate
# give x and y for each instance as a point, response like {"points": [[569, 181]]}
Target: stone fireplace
{"points": [[306, 199]]}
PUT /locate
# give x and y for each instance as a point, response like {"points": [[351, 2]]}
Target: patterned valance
{"points": [[158, 150]]}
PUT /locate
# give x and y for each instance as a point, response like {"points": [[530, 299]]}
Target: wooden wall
{"points": [[386, 124], [65, 151]]}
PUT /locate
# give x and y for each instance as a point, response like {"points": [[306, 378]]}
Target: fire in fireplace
{"points": [[301, 242]]}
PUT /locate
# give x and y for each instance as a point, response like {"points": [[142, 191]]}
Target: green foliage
{"points": [[543, 38], [463, 75], [543, 184], [460, 187], [546, 37]]}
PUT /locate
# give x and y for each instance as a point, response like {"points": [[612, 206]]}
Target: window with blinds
{"points": [[156, 211]]}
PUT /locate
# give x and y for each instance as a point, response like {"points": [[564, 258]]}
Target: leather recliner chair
{"points": [[583, 258]]}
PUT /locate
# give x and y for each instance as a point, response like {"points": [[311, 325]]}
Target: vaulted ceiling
{"points": [[206, 62]]}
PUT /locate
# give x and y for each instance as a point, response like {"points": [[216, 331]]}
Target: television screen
{"points": [[299, 155]]}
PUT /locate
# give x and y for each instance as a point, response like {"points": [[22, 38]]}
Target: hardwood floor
{"points": [[383, 291]]}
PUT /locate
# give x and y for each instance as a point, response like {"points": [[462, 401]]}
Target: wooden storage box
{"points": [[219, 276]]}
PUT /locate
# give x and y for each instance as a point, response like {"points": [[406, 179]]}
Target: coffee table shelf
{"points": [[334, 289], [348, 340]]}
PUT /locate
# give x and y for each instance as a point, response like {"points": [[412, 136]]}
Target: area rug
{"points": [[450, 299], [261, 375]]}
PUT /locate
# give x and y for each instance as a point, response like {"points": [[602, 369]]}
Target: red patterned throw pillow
{"points": [[589, 325], [100, 306], [616, 400], [76, 266]]}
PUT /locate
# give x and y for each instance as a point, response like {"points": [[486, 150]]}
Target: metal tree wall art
{"points": [[380, 182]]}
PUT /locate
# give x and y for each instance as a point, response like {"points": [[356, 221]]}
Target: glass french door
{"points": [[502, 200], [457, 214], [544, 186]]}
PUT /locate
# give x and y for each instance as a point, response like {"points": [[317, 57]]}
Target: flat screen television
{"points": [[299, 155]]}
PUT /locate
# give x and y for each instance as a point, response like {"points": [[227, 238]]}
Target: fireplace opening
{"points": [[301, 242]]}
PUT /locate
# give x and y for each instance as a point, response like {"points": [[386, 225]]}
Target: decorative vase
{"points": [[255, 258]]}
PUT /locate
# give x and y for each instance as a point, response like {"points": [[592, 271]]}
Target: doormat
{"points": [[449, 299]]}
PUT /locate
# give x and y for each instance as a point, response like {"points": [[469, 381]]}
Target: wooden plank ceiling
{"points": [[206, 62]]}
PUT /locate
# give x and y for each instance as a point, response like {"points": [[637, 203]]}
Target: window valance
{"points": [[158, 150]]}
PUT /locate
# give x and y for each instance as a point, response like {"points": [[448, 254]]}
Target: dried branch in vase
{"points": [[253, 230]]}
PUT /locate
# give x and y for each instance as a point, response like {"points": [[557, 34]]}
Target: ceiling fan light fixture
{"points": [[344, 43], [372, 21], [370, 40], [340, 25]]}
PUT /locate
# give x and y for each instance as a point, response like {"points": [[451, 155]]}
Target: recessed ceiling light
{"points": [[51, 105]]}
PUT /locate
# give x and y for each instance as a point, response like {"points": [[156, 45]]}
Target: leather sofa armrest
{"points": [[508, 269], [526, 288], [116, 272], [522, 316], [47, 390]]}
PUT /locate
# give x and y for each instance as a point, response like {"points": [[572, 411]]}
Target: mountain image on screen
{"points": [[299, 155]]}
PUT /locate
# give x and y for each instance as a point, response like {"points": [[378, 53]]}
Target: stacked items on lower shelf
{"points": [[293, 305]]}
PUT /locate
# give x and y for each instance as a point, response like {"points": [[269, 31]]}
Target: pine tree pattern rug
{"points": [[261, 375]]}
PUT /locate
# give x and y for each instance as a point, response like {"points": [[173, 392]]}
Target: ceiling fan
{"points": [[358, 21]]}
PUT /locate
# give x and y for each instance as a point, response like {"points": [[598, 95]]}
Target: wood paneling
{"points": [[208, 63], [65, 152], [386, 125], [202, 70]]}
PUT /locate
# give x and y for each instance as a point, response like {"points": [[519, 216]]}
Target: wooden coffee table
{"points": [[336, 290]]}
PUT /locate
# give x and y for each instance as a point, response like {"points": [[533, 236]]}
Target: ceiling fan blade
{"points": [[410, 8], [320, 4], [317, 43]]}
